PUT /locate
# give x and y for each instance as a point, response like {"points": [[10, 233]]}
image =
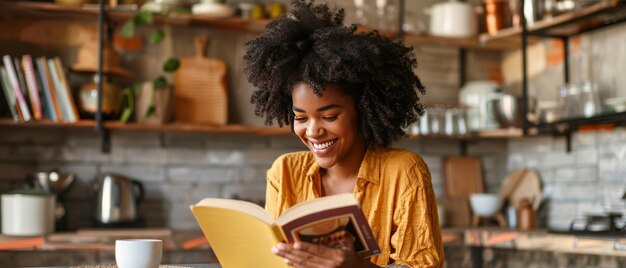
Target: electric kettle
{"points": [[117, 199]]}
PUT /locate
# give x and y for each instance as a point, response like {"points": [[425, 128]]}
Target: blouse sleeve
{"points": [[271, 192], [417, 240]]}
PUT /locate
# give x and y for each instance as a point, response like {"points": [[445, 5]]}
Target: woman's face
{"points": [[327, 124]]}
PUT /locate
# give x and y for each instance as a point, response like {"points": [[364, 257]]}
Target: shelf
{"points": [[564, 25], [587, 19], [40, 10], [467, 42], [569, 125], [174, 127], [263, 131]]}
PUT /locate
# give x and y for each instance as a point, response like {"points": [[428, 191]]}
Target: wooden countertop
{"points": [[539, 240], [535, 240], [104, 240]]}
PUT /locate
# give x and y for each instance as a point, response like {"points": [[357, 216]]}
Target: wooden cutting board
{"points": [[201, 91], [522, 184], [463, 176]]}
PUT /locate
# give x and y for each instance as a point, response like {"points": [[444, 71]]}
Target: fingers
{"points": [[301, 255]]}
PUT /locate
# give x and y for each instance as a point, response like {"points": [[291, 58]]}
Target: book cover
{"points": [[21, 101], [31, 85], [235, 226], [9, 94], [49, 87], [44, 91], [68, 90], [17, 68], [60, 92]]}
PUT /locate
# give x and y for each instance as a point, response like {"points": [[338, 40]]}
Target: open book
{"points": [[242, 234]]}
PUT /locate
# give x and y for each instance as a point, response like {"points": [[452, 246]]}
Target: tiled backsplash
{"points": [[592, 178], [180, 169]]}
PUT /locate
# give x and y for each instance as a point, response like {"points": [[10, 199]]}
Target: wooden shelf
{"points": [[41, 10], [469, 42], [173, 127], [564, 25], [200, 128]]}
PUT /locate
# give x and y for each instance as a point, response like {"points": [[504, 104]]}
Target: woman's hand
{"points": [[303, 254]]}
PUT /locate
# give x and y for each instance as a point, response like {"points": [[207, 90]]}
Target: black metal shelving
{"points": [[597, 16]]}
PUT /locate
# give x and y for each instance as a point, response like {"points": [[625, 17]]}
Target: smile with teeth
{"points": [[324, 145]]}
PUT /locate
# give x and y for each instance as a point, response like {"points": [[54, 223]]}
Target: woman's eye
{"points": [[300, 119], [330, 118]]}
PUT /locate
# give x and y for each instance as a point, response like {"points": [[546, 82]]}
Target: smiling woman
{"points": [[347, 97]]}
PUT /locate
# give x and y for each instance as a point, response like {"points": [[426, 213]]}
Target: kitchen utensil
{"points": [[201, 94], [589, 100], [522, 184], [484, 204], [453, 19], [212, 9], [462, 176], [476, 95], [28, 212], [138, 253], [57, 183], [497, 15], [569, 101], [525, 215], [507, 111], [54, 181], [118, 199]]}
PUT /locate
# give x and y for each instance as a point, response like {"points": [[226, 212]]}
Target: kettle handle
{"points": [[140, 191]]}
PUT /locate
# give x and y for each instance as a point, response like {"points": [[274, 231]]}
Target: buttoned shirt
{"points": [[394, 190]]}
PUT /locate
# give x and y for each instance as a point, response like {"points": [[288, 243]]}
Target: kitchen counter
{"points": [[539, 240], [462, 245], [89, 247]]}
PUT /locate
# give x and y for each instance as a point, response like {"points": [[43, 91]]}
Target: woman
{"points": [[347, 96]]}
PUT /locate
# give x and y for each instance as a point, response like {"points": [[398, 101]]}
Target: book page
{"points": [[316, 205]]}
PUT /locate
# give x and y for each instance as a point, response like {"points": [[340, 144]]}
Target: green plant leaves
{"points": [[171, 65], [144, 17], [159, 82], [156, 37], [128, 29]]}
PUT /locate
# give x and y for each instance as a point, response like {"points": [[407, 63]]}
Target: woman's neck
{"points": [[341, 177]]}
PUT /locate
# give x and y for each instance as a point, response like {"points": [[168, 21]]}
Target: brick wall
{"points": [[179, 169]]}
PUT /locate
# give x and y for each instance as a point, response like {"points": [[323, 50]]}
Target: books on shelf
{"points": [[241, 234], [37, 88]]}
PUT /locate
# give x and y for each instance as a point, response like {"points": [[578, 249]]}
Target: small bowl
{"points": [[485, 205]]}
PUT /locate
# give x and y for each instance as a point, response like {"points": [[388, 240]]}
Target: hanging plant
{"points": [[128, 30]]}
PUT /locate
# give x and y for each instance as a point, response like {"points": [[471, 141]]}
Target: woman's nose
{"points": [[314, 129]]}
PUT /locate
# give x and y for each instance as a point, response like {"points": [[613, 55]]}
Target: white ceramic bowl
{"points": [[485, 205]]}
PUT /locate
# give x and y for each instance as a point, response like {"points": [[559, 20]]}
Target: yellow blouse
{"points": [[395, 192]]}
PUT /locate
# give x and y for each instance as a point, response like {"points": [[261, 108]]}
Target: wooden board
{"points": [[462, 176], [201, 92], [528, 187]]}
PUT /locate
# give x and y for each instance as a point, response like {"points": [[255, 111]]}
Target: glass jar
{"points": [[589, 101], [569, 101]]}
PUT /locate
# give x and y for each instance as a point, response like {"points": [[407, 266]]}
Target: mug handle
{"points": [[140, 191]]}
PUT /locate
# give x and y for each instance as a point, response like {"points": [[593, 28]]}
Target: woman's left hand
{"points": [[303, 254]]}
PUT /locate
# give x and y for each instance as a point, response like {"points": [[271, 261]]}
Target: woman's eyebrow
{"points": [[320, 109]]}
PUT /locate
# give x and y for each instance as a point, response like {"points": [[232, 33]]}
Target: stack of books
{"points": [[37, 89]]}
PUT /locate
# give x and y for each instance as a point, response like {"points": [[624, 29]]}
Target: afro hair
{"points": [[312, 45]]}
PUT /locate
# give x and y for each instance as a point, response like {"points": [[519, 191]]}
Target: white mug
{"points": [[138, 253]]}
